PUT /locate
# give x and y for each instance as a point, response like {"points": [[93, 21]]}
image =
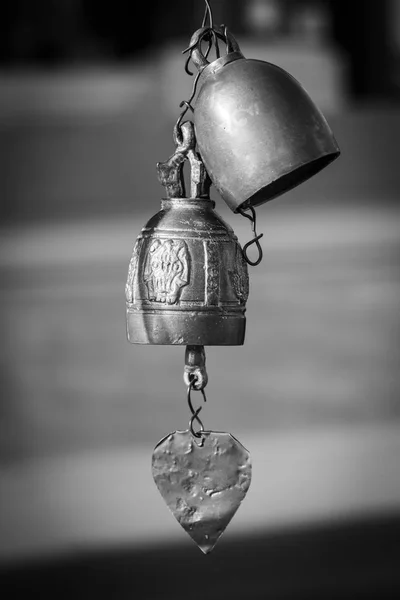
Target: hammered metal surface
{"points": [[203, 485]]}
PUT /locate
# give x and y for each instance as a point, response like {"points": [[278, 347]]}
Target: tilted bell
{"points": [[187, 280], [258, 132]]}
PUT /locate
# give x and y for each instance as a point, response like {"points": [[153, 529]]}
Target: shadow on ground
{"points": [[353, 560]]}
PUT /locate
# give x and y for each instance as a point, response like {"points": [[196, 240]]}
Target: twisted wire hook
{"points": [[195, 413], [256, 238]]}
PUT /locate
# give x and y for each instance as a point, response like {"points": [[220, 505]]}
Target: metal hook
{"points": [[187, 105], [211, 36], [177, 128], [195, 413], [207, 13], [256, 238]]}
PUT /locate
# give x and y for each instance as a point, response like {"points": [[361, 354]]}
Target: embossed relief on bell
{"points": [[240, 276], [132, 272], [212, 268], [167, 270], [183, 292]]}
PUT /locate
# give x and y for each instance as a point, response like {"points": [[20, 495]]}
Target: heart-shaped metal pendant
{"points": [[203, 481]]}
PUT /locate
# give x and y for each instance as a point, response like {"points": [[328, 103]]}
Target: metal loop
{"points": [[210, 34], [195, 371], [256, 238], [204, 34], [192, 46], [195, 413], [186, 103], [200, 374], [255, 241]]}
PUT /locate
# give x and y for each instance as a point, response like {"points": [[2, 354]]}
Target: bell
{"points": [[187, 279], [259, 133]]}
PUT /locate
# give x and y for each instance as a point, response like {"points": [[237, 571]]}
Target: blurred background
{"points": [[89, 95]]}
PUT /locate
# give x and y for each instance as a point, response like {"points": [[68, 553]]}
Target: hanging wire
{"points": [[210, 35], [195, 413], [255, 241], [208, 13], [187, 104]]}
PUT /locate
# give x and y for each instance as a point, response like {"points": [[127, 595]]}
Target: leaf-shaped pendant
{"points": [[203, 481]]}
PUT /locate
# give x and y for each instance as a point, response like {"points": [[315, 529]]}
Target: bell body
{"points": [[187, 281], [258, 132]]}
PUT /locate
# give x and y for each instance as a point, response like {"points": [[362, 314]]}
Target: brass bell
{"points": [[259, 133], [187, 279]]}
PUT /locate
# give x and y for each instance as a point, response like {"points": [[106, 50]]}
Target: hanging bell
{"points": [[259, 133], [187, 280]]}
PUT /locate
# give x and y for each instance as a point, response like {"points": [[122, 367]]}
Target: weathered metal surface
{"points": [[202, 480], [188, 280], [170, 172], [258, 132], [195, 367]]}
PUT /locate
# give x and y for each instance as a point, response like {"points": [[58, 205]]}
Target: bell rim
{"points": [[213, 328], [310, 168]]}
